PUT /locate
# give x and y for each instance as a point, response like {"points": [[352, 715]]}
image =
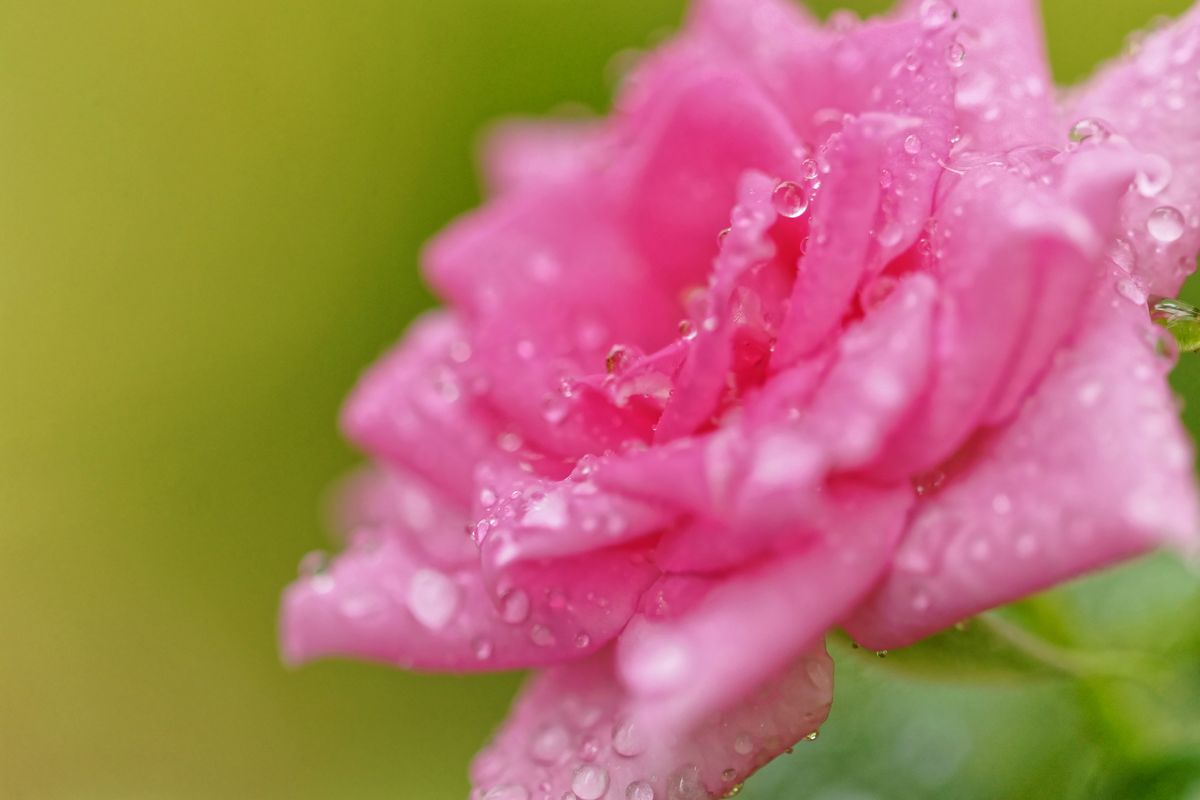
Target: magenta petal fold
{"points": [[824, 325]]}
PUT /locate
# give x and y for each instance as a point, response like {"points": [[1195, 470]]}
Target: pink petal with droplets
{"points": [[755, 621], [1152, 98], [414, 408], [384, 600], [573, 733], [1095, 468]]}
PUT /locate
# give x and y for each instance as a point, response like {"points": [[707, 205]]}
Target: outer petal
{"points": [[1153, 99], [544, 279], [414, 409], [530, 153], [571, 734], [384, 600], [1096, 468], [1005, 95], [1012, 260], [754, 622]]}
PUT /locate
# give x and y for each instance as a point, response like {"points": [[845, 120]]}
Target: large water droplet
{"points": [[542, 636], [514, 606], [1090, 129], [1154, 175], [628, 739], [790, 199], [432, 598], [590, 782], [1165, 224], [639, 790]]}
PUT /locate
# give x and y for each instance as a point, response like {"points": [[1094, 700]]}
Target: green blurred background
{"points": [[209, 220]]}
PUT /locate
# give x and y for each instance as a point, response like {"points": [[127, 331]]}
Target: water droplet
{"points": [[542, 636], [482, 648], [639, 790], [743, 745], [514, 606], [509, 442], [590, 782], [885, 178], [790, 199], [1090, 129], [583, 641], [618, 358], [686, 329], [936, 14], [912, 144], [549, 743], [812, 737], [1154, 175], [809, 169], [509, 792], [733, 791], [1122, 255], [956, 54], [686, 785], [627, 739], [313, 564], [432, 598], [1131, 291], [554, 408], [728, 775], [891, 234], [1165, 224], [1001, 504]]}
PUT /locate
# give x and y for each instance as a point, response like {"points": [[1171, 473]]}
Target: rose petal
{"points": [[1152, 98], [754, 622], [1096, 468], [571, 733], [1012, 259], [384, 600], [414, 409], [531, 153]]}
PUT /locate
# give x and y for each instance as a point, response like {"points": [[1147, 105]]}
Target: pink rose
{"points": [[915, 378]]}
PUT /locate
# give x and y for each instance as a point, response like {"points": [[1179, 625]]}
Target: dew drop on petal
{"points": [[639, 790], [1165, 224], [432, 598], [810, 169], [686, 785], [956, 54], [790, 199], [743, 745], [1090, 129], [514, 606], [1131, 291], [1122, 255], [590, 782], [482, 648], [912, 144], [549, 743], [542, 636], [628, 739], [1153, 176], [936, 14]]}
